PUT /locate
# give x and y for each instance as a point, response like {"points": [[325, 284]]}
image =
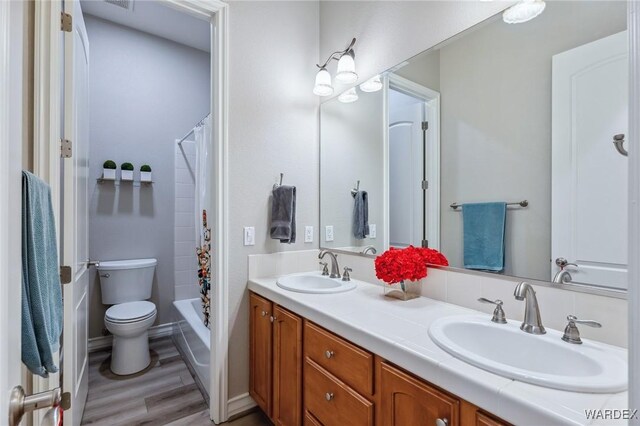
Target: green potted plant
{"points": [[127, 171], [109, 170], [145, 173]]}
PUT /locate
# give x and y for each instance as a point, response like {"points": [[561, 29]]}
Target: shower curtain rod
{"points": [[193, 129]]}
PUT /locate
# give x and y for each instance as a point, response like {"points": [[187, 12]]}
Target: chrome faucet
{"points": [[369, 249], [335, 269], [563, 276], [532, 322]]}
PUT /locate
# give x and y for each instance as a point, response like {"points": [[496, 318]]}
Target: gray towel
{"points": [[41, 292], [283, 214], [361, 215]]}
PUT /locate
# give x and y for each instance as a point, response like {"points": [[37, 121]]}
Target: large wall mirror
{"points": [[502, 147]]}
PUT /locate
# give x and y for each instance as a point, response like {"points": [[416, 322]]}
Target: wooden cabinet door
{"points": [[261, 345], [407, 401], [287, 368]]}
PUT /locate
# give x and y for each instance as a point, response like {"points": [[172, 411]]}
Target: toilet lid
{"points": [[130, 311]]}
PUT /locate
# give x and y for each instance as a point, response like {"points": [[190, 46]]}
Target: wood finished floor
{"points": [[163, 394]]}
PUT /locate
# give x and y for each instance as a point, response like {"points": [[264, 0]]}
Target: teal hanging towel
{"points": [[484, 231]]}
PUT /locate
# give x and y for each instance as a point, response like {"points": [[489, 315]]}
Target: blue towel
{"points": [[41, 292], [484, 227], [361, 215]]}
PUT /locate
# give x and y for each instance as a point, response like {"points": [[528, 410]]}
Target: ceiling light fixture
{"points": [[346, 72], [372, 85], [349, 96], [523, 11]]}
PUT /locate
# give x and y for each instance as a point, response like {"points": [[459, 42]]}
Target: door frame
{"points": [[47, 92], [633, 296], [431, 99]]}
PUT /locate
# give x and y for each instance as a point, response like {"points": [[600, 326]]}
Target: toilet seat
{"points": [[130, 312]]}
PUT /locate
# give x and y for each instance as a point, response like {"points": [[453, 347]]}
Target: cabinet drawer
{"points": [[344, 360], [332, 402], [309, 420], [483, 419]]}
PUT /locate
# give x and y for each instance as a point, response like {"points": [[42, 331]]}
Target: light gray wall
{"points": [[389, 32], [145, 92], [273, 128], [352, 149], [495, 86]]}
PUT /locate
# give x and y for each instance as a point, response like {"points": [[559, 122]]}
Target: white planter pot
{"points": [[127, 175], [145, 176], [109, 174]]}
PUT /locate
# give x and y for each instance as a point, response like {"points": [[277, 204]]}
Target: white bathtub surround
{"points": [[193, 338], [398, 331], [185, 261]]}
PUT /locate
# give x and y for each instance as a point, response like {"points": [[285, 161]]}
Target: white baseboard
{"points": [[239, 404], [104, 342]]}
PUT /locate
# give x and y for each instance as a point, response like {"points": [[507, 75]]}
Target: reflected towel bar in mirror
{"points": [[523, 203]]}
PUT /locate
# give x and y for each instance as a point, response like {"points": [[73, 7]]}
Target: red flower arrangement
{"points": [[396, 265]]}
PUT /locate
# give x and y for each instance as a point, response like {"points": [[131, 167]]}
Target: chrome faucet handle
{"points": [[498, 313], [345, 275], [571, 332], [325, 268], [562, 263]]}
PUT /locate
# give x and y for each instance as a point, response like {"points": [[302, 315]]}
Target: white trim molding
{"points": [[240, 404], [155, 332], [633, 24]]}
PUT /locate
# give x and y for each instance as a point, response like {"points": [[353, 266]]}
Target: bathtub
{"points": [[193, 338]]}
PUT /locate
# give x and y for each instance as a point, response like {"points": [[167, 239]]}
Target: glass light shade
{"points": [[349, 96], [346, 69], [523, 11], [372, 85], [323, 85]]}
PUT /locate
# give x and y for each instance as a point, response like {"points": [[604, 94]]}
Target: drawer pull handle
{"points": [[329, 396], [328, 354], [273, 318], [264, 313], [442, 422]]}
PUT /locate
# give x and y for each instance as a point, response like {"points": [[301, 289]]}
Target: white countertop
{"points": [[398, 331]]}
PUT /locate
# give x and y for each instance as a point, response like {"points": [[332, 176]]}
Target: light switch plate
{"points": [[372, 230], [328, 233], [308, 234], [249, 236]]}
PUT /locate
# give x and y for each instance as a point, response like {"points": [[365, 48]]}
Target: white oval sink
{"points": [[314, 283], [544, 360]]}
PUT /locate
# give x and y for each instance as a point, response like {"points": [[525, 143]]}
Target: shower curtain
{"points": [[202, 208]]}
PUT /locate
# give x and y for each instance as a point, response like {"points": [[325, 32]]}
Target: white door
{"points": [[76, 215], [10, 207], [589, 176], [406, 164]]}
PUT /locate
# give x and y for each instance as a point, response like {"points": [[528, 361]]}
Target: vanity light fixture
{"points": [[346, 72], [349, 96], [372, 85], [523, 11]]}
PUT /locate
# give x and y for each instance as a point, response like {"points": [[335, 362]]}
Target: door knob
{"points": [[21, 403], [562, 263]]}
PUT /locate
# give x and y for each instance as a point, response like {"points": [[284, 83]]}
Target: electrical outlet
{"points": [[249, 236], [372, 230], [328, 233], [308, 234]]}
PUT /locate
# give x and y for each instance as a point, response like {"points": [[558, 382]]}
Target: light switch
{"points": [[308, 234], [249, 236], [372, 230], [328, 233]]}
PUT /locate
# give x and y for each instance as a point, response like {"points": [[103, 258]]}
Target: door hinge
{"points": [[65, 274], [65, 148], [425, 125], [425, 185], [65, 401], [66, 22]]}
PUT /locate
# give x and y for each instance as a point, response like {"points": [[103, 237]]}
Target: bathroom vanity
{"points": [[358, 358]]}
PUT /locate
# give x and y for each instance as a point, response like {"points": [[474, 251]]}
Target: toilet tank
{"points": [[126, 280]]}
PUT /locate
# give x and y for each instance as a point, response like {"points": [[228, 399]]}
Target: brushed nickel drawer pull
{"points": [[264, 313], [328, 354], [442, 422], [105, 275], [329, 396]]}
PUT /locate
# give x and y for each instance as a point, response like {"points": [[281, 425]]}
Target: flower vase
{"points": [[403, 290]]}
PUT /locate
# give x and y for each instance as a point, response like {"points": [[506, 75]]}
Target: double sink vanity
{"points": [[330, 352]]}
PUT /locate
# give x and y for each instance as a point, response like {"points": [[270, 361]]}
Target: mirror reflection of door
{"points": [[589, 183]]}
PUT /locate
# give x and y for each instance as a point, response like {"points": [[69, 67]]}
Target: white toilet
{"points": [[126, 284]]}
